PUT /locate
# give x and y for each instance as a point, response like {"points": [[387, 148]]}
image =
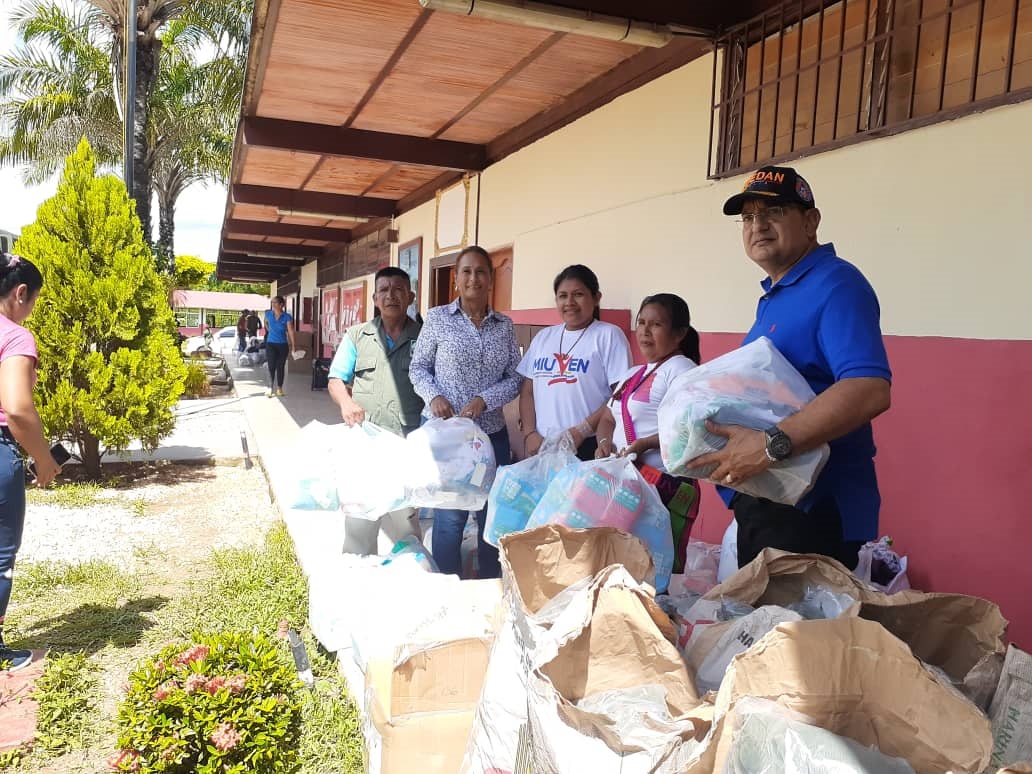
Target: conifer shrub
{"points": [[110, 372]]}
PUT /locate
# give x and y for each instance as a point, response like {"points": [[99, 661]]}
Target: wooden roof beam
{"points": [[338, 205], [277, 249], [363, 144], [257, 263], [266, 228]]}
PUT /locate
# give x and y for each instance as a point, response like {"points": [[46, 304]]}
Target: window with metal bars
{"points": [[812, 75]]}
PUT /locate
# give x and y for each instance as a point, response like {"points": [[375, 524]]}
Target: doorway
{"points": [[442, 279]]}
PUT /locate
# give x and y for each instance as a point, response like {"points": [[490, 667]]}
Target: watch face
{"points": [[780, 446]]}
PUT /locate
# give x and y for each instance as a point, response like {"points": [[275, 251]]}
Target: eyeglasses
{"points": [[770, 215]]}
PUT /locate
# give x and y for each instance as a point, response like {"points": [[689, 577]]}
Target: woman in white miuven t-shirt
{"points": [[571, 368]]}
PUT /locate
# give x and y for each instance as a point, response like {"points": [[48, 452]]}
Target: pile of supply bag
{"points": [[573, 663], [591, 655], [366, 471]]}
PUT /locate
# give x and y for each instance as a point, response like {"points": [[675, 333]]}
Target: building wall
{"points": [[931, 216]]}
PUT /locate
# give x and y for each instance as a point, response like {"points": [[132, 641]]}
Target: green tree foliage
{"points": [[192, 273], [62, 81], [110, 371]]}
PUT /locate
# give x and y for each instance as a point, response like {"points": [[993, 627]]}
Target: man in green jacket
{"points": [[369, 380]]}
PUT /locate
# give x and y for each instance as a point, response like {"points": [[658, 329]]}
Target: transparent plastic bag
{"points": [[610, 493], [701, 561], [451, 464], [411, 550], [517, 490], [755, 387], [820, 602], [882, 568]]}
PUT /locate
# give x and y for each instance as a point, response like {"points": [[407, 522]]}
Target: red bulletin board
{"points": [[352, 306], [329, 320]]}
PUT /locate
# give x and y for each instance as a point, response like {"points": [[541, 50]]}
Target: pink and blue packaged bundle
{"points": [[517, 490], [610, 493]]}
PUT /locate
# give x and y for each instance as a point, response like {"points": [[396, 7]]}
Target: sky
{"points": [[198, 212]]}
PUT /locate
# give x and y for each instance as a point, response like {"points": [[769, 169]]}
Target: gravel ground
{"points": [[185, 511]]}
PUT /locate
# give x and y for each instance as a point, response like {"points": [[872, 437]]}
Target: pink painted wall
{"points": [[954, 467]]}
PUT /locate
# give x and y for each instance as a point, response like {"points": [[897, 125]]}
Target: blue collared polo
{"points": [[823, 316]]}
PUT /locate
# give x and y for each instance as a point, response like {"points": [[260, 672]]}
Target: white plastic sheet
{"points": [[754, 387], [767, 740]]}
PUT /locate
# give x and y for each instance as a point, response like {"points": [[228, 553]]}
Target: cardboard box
{"points": [[419, 706]]}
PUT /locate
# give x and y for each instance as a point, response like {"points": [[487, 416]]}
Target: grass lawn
{"points": [[99, 619]]}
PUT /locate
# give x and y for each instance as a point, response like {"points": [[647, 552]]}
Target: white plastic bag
{"points": [[517, 490], [368, 462], [728, 553], [610, 493], [879, 561], [755, 387], [769, 739], [736, 637], [450, 464], [313, 483]]}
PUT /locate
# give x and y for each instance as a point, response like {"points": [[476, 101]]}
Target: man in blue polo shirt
{"points": [[823, 316]]}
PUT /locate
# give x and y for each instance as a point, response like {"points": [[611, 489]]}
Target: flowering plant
{"points": [[227, 702]]}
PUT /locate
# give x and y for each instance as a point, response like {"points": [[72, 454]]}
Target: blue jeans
{"points": [[446, 539], [12, 514]]}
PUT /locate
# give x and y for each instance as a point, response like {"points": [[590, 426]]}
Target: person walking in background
{"points": [[253, 324], [823, 315], [279, 342], [571, 368], [464, 364], [369, 379], [242, 331], [20, 283]]}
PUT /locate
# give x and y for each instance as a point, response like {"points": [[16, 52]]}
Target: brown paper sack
{"points": [[611, 638], [1011, 710], [854, 679], [962, 635], [539, 569]]}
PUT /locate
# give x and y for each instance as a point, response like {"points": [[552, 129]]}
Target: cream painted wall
{"points": [[420, 223], [929, 215], [309, 279]]}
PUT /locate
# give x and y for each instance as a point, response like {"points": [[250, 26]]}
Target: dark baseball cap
{"points": [[776, 185]]}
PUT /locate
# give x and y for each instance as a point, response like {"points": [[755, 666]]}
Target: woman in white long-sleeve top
{"points": [[464, 364]]}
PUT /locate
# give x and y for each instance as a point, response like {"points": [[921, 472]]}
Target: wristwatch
{"points": [[779, 445]]}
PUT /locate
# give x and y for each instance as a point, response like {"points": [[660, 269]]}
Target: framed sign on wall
{"points": [[451, 218], [409, 255]]}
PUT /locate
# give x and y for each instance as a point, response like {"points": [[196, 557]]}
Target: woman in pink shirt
{"points": [[20, 425]]}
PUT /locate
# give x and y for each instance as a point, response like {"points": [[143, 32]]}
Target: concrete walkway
{"points": [[275, 425]]}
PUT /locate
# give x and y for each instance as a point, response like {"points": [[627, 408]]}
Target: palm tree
{"points": [[64, 83], [58, 89]]}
